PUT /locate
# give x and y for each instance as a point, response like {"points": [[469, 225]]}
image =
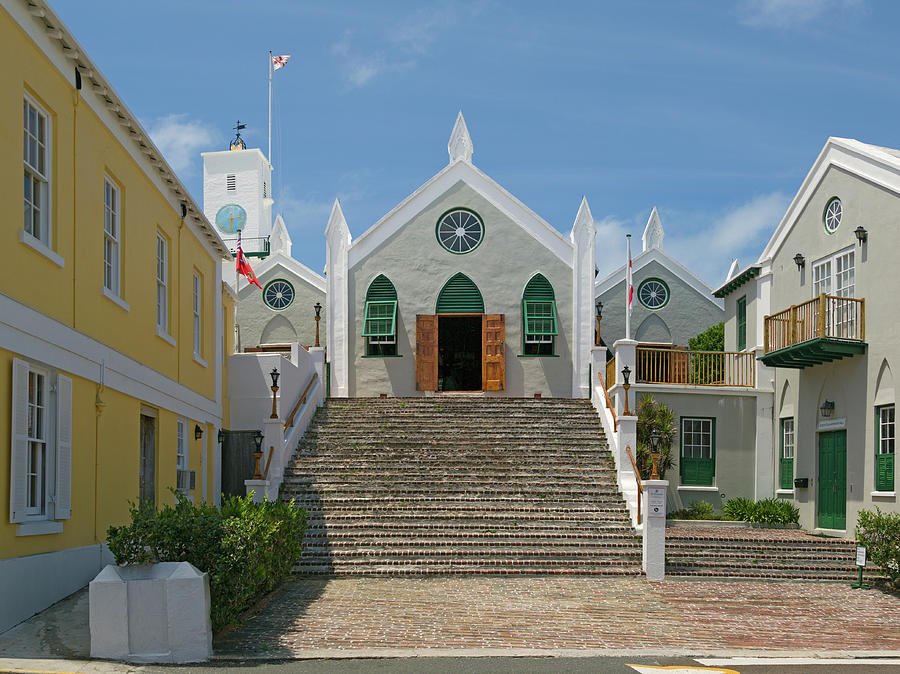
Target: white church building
{"points": [[461, 287]]}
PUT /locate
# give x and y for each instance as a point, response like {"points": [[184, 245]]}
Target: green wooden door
{"points": [[833, 480]]}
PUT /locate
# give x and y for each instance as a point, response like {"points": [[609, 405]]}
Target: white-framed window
{"points": [[112, 236], [835, 275], [181, 457], [787, 438], [37, 171], [41, 466], [162, 283], [197, 294]]}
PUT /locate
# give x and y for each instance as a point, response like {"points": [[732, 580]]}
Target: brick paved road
{"points": [[567, 612]]}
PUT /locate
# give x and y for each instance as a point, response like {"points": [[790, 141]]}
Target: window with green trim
{"points": [[742, 323], [380, 318], [698, 451], [884, 442], [539, 317], [787, 453]]}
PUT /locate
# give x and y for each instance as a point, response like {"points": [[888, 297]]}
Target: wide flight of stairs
{"points": [[759, 554], [460, 485]]}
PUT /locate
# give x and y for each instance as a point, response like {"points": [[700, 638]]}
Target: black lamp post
{"points": [[626, 373], [599, 306], [318, 308], [274, 375], [655, 439], [198, 432], [800, 261], [257, 439]]}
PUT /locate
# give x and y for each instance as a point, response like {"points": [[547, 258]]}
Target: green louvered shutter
{"points": [[884, 472], [381, 290], [460, 296], [539, 306]]}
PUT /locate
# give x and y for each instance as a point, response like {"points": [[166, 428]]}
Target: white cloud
{"points": [[181, 140], [610, 243], [402, 45], [740, 232], [784, 14]]}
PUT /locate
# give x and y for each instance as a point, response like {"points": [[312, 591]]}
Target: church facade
{"points": [[460, 288]]}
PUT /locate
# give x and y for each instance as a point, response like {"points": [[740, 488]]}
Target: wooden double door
{"points": [[450, 356]]}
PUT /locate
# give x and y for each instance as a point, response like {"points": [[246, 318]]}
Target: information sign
{"points": [[860, 555], [656, 501]]}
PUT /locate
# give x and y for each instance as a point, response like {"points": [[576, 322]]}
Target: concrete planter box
{"points": [[151, 613]]}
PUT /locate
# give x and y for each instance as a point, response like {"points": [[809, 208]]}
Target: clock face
{"points": [[231, 219]]}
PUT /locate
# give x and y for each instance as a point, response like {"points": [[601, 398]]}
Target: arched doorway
{"points": [[460, 348]]}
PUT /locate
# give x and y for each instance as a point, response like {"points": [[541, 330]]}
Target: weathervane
{"points": [[238, 142]]}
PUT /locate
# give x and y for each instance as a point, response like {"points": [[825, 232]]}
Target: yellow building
{"points": [[114, 323]]}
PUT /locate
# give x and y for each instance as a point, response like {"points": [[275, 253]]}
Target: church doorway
{"points": [[459, 353]]}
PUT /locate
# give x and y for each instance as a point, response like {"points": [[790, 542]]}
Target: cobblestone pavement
{"points": [[567, 612]]}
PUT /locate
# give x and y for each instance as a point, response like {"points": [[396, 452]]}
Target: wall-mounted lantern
{"points": [[861, 234], [800, 261], [198, 432], [827, 408]]}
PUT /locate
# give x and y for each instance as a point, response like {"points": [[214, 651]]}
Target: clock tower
{"points": [[237, 196]]}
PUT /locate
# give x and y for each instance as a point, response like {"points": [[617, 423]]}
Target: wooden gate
{"points": [[493, 338], [238, 462]]}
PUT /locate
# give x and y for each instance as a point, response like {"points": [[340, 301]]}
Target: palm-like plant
{"points": [[653, 415]]}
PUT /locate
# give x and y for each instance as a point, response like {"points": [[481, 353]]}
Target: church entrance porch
{"points": [[459, 353]]}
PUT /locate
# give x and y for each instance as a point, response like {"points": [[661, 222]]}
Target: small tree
{"points": [[653, 415], [711, 339]]}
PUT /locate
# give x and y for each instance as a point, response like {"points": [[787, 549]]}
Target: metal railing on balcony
{"points": [[825, 316], [695, 368]]}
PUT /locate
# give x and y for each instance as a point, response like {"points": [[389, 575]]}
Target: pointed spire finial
{"points": [[337, 220], [733, 270], [460, 145], [653, 232]]}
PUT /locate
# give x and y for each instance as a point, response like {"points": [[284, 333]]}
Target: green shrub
{"points": [[880, 533], [774, 511], [698, 510], [246, 548], [738, 509]]}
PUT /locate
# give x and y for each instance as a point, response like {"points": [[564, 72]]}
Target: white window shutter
{"points": [[19, 465], [63, 448]]}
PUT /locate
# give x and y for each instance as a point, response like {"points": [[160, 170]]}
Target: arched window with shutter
{"points": [[380, 323], [539, 317]]}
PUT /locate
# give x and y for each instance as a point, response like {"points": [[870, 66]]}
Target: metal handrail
{"points": [[609, 404], [302, 399], [640, 485]]}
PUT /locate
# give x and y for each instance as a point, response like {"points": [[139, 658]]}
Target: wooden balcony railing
{"points": [[823, 316], [610, 377], [695, 368]]}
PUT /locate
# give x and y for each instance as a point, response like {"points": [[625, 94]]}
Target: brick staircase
{"points": [[460, 485], [760, 553]]}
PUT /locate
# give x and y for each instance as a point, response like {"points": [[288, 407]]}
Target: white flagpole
{"points": [[628, 284], [269, 156]]}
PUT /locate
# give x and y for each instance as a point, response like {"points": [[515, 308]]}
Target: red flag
{"points": [[279, 62], [243, 267]]}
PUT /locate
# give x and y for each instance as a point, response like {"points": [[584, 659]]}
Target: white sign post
{"points": [[861, 564], [654, 544]]}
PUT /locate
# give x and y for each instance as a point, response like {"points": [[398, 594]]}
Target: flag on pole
{"points": [[243, 267], [279, 62], [629, 283]]}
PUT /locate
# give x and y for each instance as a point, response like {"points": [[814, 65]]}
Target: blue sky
{"points": [[713, 111]]}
